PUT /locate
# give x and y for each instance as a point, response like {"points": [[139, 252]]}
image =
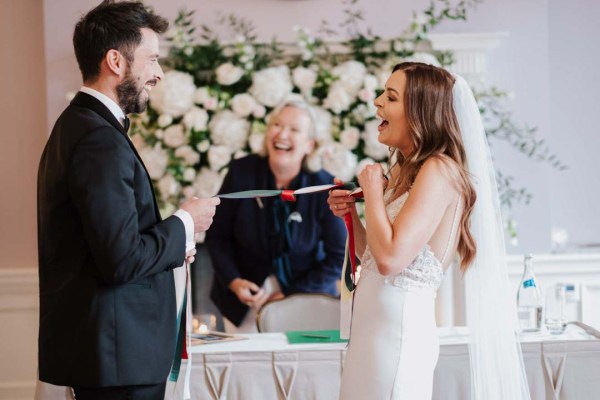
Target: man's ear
{"points": [[116, 62]]}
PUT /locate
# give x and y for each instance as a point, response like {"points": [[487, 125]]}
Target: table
{"points": [[265, 366]]}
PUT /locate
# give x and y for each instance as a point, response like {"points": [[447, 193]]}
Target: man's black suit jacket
{"points": [[107, 295]]}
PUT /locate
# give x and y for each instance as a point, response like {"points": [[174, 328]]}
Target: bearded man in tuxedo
{"points": [[108, 314]]}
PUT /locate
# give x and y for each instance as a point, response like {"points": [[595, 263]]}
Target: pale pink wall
{"points": [[23, 127], [528, 62]]}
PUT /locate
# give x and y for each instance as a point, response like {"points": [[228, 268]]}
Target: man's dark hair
{"points": [[112, 25]]}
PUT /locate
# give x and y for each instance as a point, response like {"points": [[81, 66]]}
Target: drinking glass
{"points": [[556, 320]]}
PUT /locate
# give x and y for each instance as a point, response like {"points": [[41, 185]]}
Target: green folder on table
{"points": [[330, 336]]}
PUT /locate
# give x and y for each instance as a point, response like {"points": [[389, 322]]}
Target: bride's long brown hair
{"points": [[434, 130]]}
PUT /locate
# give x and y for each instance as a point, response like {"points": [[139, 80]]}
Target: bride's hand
{"points": [[339, 200], [371, 179]]}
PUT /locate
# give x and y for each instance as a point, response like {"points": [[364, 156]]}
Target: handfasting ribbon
{"points": [[287, 195], [290, 195], [350, 273], [183, 340]]}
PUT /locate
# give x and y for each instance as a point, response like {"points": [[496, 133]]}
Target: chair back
{"points": [[300, 311]]}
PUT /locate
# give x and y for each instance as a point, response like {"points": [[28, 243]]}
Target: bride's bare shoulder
{"points": [[439, 171]]}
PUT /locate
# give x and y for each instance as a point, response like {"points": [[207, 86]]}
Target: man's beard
{"points": [[130, 97]]}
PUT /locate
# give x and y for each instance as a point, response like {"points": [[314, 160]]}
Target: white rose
{"points": [[338, 99], [366, 95], [174, 136], [362, 112], [138, 141], [155, 159], [201, 95], [398, 46], [229, 130], [168, 186], [196, 119], [351, 75], [373, 148], [211, 103], [382, 76], [362, 164], [218, 157], [313, 161], [371, 82], [243, 104], [207, 183], [338, 161], [271, 85], [304, 78], [424, 58], [349, 137], [165, 120], [174, 94], [189, 155], [189, 174], [228, 74], [259, 111], [307, 54], [248, 50], [159, 134], [203, 146], [256, 141], [322, 125]]}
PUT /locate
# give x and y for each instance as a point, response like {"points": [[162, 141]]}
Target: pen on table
{"points": [[315, 336]]}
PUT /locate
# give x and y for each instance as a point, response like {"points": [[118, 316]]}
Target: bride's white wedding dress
{"points": [[394, 345]]}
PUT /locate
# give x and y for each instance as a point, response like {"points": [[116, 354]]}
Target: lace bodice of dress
{"points": [[424, 272]]}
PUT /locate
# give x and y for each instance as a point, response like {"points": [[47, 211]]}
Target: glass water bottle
{"points": [[530, 302]]}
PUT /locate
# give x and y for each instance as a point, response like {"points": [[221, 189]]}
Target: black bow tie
{"points": [[126, 124]]}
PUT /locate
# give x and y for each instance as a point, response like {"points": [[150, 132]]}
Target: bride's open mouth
{"points": [[383, 125]]}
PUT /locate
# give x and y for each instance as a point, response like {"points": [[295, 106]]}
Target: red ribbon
{"points": [[351, 244], [288, 195]]}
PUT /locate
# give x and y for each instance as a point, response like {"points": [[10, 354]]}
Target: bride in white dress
{"points": [[415, 226]]}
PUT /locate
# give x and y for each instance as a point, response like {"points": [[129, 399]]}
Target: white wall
{"points": [[546, 61], [574, 84]]}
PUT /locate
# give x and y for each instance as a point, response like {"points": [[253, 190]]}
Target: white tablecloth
{"points": [[565, 367], [265, 366]]}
